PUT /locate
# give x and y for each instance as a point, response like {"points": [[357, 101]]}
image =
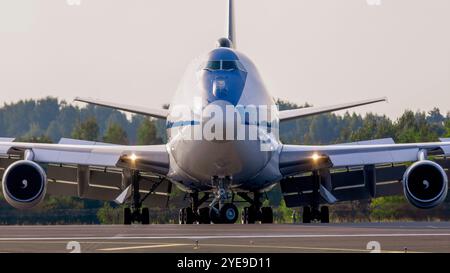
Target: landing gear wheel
{"points": [[266, 215], [181, 216], [306, 215], [145, 216], [252, 215], [229, 213], [189, 216], [203, 214], [324, 214], [127, 216], [244, 216], [214, 215]]}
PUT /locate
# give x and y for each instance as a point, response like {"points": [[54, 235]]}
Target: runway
{"points": [[347, 238]]}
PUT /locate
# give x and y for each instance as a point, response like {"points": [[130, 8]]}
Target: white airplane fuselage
{"points": [[222, 78]]}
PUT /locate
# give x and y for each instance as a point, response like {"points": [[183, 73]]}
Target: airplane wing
{"points": [[310, 111], [156, 113], [94, 170], [344, 168]]}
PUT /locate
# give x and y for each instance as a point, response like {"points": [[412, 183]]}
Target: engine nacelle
{"points": [[425, 184], [24, 184]]}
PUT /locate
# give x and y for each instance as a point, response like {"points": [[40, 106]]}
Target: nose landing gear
{"points": [[221, 210], [228, 214]]}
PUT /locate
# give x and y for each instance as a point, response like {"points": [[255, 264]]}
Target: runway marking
{"points": [[299, 247], [227, 236], [140, 247], [250, 246]]}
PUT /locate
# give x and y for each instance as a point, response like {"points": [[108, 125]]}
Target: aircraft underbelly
{"points": [[202, 160]]}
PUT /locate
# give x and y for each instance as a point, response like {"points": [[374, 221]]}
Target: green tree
{"points": [[35, 139], [107, 214], [115, 134], [386, 208], [447, 128], [413, 127], [283, 213], [87, 130], [147, 133], [374, 127]]}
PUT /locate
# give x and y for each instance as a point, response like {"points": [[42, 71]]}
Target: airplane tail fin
{"points": [[231, 29]]}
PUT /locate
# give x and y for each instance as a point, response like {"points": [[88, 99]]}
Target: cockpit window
{"points": [[224, 65], [229, 65], [213, 65]]}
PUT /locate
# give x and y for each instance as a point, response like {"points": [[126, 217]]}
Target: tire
{"points": [[324, 214], [203, 214], [306, 215], [229, 213], [267, 215], [244, 216], [127, 216], [214, 215], [252, 215], [189, 216], [145, 216], [181, 217]]}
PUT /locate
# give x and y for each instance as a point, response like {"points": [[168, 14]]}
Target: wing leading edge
{"points": [[151, 158], [156, 113], [310, 111]]}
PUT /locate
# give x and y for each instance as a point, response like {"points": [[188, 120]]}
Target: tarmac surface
{"points": [[364, 237]]}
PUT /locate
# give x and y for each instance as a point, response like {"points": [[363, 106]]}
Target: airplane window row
{"points": [[224, 65]]}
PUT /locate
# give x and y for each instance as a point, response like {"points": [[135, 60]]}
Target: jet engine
{"points": [[24, 184], [425, 184]]}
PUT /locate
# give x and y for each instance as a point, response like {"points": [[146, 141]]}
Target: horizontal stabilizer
{"points": [[156, 113], [310, 111]]}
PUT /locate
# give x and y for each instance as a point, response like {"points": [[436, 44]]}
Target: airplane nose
{"points": [[222, 85], [216, 122], [220, 90]]}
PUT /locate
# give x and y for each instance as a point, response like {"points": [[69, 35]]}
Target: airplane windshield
{"points": [[213, 65], [229, 65], [223, 65]]}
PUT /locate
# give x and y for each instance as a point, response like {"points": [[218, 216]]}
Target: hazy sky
{"points": [[317, 51]]}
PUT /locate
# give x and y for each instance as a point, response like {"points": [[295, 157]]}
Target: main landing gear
{"points": [[194, 213], [136, 213], [322, 215], [313, 213], [255, 212]]}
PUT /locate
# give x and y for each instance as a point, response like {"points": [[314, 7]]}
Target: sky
{"points": [[317, 51]]}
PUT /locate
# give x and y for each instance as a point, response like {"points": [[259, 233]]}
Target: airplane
{"points": [[214, 171]]}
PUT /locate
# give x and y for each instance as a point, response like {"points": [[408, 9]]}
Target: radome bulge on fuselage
{"points": [[222, 78]]}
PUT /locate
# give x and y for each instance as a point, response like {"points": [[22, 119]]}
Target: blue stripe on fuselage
{"points": [[171, 124]]}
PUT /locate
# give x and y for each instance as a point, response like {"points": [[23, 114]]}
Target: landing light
{"points": [[315, 157], [133, 157]]}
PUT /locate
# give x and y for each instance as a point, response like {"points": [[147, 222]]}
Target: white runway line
{"points": [[227, 236], [140, 247], [250, 247]]}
